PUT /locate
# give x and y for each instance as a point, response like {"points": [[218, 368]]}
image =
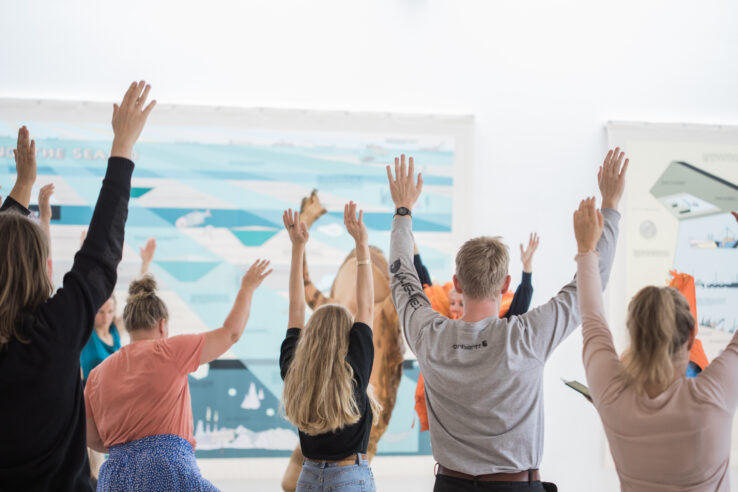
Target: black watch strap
{"points": [[403, 211]]}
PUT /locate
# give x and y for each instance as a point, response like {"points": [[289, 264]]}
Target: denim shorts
{"points": [[327, 477]]}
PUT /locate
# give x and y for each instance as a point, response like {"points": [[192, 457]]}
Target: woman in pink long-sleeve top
{"points": [[666, 432]]}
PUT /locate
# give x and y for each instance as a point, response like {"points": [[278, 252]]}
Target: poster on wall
{"points": [[682, 185], [210, 185]]}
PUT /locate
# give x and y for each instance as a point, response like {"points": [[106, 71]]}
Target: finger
{"points": [[624, 169], [397, 169], [284, 219], [389, 175], [266, 274], [33, 148], [141, 101], [403, 166], [411, 168], [128, 95], [149, 108], [361, 217], [419, 184], [522, 251], [607, 158], [297, 217]]}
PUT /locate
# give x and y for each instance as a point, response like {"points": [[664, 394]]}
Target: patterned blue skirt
{"points": [[156, 463]]}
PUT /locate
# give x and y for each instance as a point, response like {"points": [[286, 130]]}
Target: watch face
{"points": [[403, 211]]}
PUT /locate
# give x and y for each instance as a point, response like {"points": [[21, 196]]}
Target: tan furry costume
{"points": [[388, 345]]}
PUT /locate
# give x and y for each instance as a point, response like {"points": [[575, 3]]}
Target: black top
{"points": [[521, 300], [43, 441], [354, 438]]}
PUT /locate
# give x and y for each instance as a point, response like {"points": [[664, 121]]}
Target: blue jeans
{"points": [[326, 476]]}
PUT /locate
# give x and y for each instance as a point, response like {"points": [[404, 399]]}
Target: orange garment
{"points": [[142, 390], [684, 283], [438, 296]]}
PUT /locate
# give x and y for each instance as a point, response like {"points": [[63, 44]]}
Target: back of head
{"points": [[318, 387], [659, 324], [144, 308], [481, 266], [24, 252]]}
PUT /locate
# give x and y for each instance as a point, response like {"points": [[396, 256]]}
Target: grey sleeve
{"points": [[413, 306], [549, 324]]}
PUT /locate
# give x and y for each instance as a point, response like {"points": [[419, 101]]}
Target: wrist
{"points": [[613, 204], [121, 148], [583, 248], [406, 205], [527, 268]]}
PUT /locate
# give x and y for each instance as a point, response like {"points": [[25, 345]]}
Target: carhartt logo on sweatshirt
{"points": [[461, 346]]}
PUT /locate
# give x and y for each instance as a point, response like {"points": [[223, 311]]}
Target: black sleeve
{"points": [[361, 353], [422, 272], [10, 205], [92, 278], [523, 295], [287, 352]]}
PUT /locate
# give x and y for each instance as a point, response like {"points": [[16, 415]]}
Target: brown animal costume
{"points": [[388, 345]]}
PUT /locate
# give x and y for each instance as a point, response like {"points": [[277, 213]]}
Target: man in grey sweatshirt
{"points": [[484, 375]]}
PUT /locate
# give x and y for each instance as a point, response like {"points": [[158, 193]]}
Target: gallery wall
{"points": [[541, 79]]}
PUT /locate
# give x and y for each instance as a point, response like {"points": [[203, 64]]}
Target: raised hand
{"points": [[611, 178], [526, 254], [588, 224], [354, 226], [297, 229], [129, 118], [255, 275], [25, 165], [147, 254], [44, 206], [404, 188]]}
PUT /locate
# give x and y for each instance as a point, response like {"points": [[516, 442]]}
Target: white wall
{"points": [[541, 77]]}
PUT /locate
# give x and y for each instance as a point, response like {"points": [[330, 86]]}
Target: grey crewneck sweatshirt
{"points": [[484, 380]]}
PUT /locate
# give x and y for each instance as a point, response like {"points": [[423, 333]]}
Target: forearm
{"points": [[607, 243], [296, 288], [239, 315], [364, 284], [21, 193], [144, 268]]}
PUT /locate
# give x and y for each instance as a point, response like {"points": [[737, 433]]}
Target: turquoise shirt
{"points": [[97, 351]]}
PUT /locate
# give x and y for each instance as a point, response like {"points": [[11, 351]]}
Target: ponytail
{"points": [[659, 324]]}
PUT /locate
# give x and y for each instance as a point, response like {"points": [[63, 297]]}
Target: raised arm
{"points": [[147, 255], [524, 293], [44, 214], [413, 307], [221, 339], [364, 277], [601, 362], [548, 325], [93, 275], [299, 236]]}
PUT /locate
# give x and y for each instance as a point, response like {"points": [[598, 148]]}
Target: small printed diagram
{"points": [[707, 246]]}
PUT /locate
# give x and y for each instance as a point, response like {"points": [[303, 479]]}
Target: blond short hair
{"points": [[481, 266]]}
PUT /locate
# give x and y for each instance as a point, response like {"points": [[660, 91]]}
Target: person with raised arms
{"points": [[326, 364], [43, 445], [666, 431], [138, 399], [484, 375]]}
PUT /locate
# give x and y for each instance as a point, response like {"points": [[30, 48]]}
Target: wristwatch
{"points": [[403, 211]]}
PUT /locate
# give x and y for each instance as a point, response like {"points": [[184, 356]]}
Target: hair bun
{"points": [[142, 286]]}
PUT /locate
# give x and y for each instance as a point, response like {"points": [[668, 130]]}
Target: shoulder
{"points": [[362, 331]]}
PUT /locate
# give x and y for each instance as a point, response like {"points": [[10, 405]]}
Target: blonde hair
{"points": [[481, 266], [25, 286], [319, 385], [659, 323], [143, 308]]}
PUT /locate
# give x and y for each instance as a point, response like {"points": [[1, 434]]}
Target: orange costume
{"points": [[685, 284]]}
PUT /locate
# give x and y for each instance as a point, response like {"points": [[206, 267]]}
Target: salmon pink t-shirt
{"points": [[142, 390]]}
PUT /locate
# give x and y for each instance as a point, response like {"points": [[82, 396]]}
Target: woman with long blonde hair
{"points": [[666, 431], [326, 368]]}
